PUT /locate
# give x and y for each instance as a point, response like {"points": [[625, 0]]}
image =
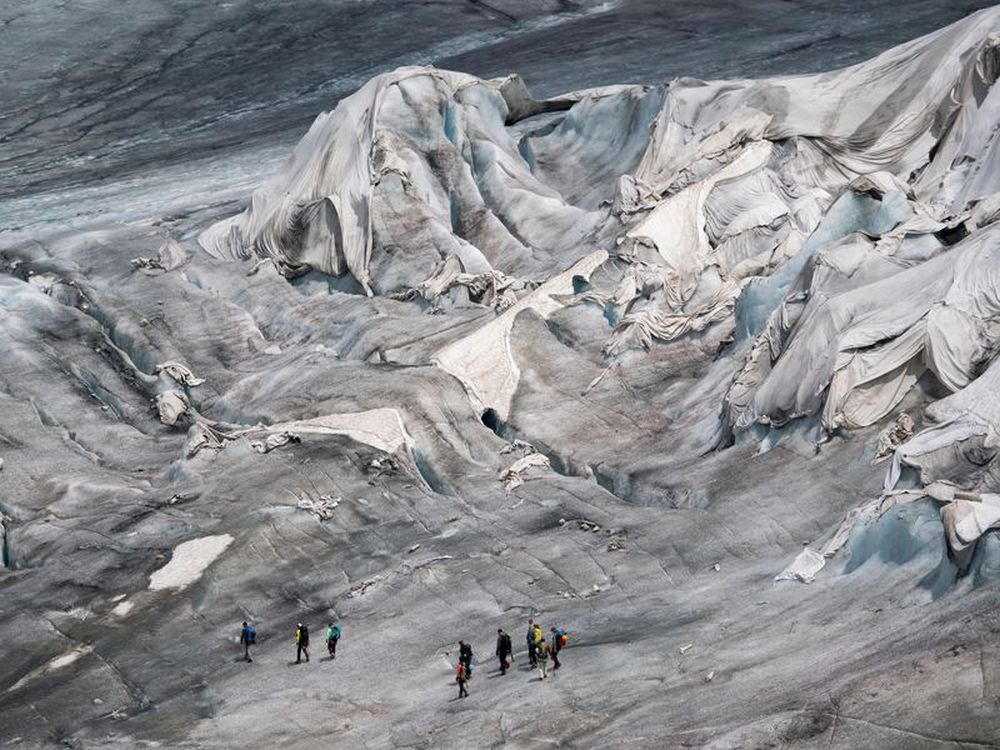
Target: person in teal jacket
{"points": [[332, 637]]}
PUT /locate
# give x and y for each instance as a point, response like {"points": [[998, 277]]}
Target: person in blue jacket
{"points": [[248, 637]]}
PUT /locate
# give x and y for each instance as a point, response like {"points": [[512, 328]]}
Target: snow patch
{"points": [[189, 562], [123, 608], [63, 660]]}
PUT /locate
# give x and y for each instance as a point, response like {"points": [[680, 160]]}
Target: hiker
{"points": [[332, 636], [543, 660], [462, 675], [558, 641], [504, 649], [301, 643], [538, 635], [465, 655], [530, 639], [248, 637]]}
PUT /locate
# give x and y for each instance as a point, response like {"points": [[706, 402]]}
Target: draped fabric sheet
{"points": [[840, 228]]}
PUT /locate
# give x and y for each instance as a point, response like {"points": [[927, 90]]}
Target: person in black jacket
{"points": [[558, 639], [465, 655], [504, 649]]}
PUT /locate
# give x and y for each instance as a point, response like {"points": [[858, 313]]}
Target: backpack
{"points": [[304, 634], [251, 634], [508, 646], [561, 638]]}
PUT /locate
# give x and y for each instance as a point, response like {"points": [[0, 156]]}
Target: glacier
{"points": [[703, 371]]}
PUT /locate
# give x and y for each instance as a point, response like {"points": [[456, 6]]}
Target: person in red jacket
{"points": [[462, 677]]}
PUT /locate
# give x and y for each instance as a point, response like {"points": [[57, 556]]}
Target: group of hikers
{"points": [[539, 652], [248, 638]]}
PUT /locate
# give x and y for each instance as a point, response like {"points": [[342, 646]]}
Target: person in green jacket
{"points": [[543, 659]]}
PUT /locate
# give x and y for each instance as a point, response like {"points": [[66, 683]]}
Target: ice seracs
{"points": [[837, 229]]}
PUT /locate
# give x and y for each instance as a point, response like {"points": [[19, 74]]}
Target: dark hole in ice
{"points": [[952, 235], [7, 555], [492, 420]]}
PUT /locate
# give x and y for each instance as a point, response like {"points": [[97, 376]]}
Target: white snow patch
{"points": [[189, 562], [803, 568], [63, 660], [122, 609], [380, 428]]}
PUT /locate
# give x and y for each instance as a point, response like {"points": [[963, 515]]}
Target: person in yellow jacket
{"points": [[301, 643]]}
